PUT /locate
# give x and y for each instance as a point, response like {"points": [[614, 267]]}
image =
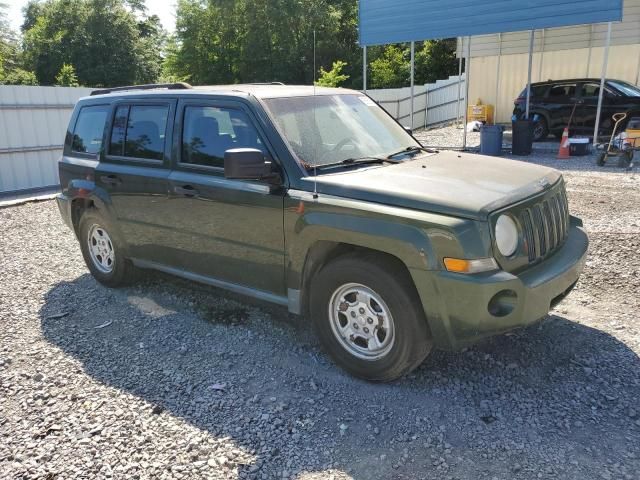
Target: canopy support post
{"points": [[459, 81], [364, 69], [602, 78], [497, 99], [413, 64], [467, 70], [531, 38]]}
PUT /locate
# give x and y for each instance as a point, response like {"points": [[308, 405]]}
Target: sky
{"points": [[163, 8]]}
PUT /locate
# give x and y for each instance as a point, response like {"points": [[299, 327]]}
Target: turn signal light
{"points": [[460, 265]]}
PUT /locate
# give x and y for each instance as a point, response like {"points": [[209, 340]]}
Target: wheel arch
{"points": [[324, 252]]}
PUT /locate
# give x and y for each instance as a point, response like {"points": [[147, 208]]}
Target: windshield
{"points": [[328, 129], [626, 88]]}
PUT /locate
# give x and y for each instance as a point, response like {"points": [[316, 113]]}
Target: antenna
{"points": [[315, 144]]}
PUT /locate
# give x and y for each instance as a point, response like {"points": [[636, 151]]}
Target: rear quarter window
{"points": [[89, 129]]}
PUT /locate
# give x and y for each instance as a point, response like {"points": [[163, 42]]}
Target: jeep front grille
{"points": [[545, 225]]}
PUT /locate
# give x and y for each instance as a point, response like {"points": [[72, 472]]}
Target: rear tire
{"points": [[103, 251], [368, 317], [540, 130]]}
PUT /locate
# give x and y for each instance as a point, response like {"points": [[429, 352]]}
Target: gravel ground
{"points": [[168, 379]]}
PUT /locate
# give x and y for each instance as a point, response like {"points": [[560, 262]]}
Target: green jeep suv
{"points": [[318, 200]]}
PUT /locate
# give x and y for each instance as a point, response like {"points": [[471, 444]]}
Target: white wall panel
{"points": [[33, 123]]}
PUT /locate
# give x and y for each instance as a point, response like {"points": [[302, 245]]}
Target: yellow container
{"points": [[480, 113]]}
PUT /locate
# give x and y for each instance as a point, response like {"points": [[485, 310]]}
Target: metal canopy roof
{"points": [[395, 21]]}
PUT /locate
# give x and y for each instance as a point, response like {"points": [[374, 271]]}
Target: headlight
{"points": [[506, 235]]}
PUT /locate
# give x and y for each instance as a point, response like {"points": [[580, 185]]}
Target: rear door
{"points": [[135, 171], [230, 230], [559, 102]]}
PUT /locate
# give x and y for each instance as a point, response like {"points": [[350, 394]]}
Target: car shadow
{"points": [[550, 392]]}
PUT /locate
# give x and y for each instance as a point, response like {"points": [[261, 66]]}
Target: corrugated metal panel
{"points": [[383, 22], [33, 122], [626, 32]]}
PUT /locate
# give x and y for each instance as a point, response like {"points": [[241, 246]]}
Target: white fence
{"points": [[33, 122], [436, 102]]}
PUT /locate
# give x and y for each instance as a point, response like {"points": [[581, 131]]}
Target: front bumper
{"points": [[458, 306]]}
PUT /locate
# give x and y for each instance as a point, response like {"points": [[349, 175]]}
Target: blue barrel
{"points": [[491, 140]]}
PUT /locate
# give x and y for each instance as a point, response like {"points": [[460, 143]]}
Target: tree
{"points": [[333, 77], [7, 43], [109, 42], [229, 41], [391, 69], [67, 76], [18, 76], [436, 60]]}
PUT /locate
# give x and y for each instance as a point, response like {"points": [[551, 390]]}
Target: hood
{"points": [[457, 184]]}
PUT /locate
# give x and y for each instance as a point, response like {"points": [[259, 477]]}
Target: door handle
{"points": [[110, 179], [186, 190]]}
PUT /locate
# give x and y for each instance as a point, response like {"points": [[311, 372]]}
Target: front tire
{"points": [[103, 251], [368, 317]]}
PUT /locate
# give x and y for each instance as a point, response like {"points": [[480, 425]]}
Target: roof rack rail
{"points": [[149, 86], [264, 83]]}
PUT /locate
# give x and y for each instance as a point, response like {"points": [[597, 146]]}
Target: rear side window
{"points": [[89, 129], [208, 132], [139, 131], [568, 90]]}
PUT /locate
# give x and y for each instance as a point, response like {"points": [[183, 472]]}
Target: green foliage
{"points": [[391, 68], [67, 76], [8, 44], [333, 77], [18, 76], [436, 60], [105, 40], [230, 41]]}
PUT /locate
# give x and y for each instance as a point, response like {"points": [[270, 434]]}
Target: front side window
{"points": [[89, 129], [328, 129], [593, 90], [208, 132]]}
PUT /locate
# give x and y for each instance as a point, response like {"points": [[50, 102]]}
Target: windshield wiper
{"points": [[411, 149], [356, 161]]}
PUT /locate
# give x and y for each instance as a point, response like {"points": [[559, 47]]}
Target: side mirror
{"points": [[408, 130], [246, 164]]}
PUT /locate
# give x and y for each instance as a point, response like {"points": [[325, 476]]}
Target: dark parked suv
{"points": [[554, 101], [318, 200]]}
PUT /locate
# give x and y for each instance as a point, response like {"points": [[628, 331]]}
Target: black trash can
{"points": [[522, 140], [491, 140]]}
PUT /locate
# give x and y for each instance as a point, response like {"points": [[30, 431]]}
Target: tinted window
{"points": [[536, 91], [145, 132], [593, 90], [87, 135], [626, 88], [116, 146], [568, 90], [208, 132]]}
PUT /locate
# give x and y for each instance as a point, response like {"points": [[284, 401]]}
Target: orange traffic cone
{"points": [[564, 152]]}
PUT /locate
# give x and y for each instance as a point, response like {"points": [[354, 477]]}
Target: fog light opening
{"points": [[503, 303]]}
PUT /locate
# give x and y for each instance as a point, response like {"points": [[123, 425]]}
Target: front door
{"points": [[229, 230]]}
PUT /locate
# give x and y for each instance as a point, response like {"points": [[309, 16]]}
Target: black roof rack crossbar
{"points": [[150, 86]]}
